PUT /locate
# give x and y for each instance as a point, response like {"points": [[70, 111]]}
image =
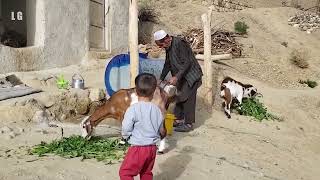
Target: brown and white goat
{"points": [[234, 90], [116, 106]]}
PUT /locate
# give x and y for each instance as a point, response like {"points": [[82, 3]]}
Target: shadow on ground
{"points": [[174, 166]]}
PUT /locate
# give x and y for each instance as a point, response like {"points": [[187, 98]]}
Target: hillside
{"points": [[265, 58]]}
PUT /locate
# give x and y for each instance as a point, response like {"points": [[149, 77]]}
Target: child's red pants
{"points": [[138, 160]]}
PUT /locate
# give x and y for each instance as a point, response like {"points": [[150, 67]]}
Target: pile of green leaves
{"points": [[62, 83], [310, 83], [241, 27], [252, 107], [106, 150]]}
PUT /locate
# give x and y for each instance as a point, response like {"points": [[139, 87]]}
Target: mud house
{"points": [[61, 32]]}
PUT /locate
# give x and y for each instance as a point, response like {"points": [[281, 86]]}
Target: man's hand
{"points": [[173, 80]]}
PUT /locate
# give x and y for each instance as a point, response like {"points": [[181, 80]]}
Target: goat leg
{"points": [[228, 101]]}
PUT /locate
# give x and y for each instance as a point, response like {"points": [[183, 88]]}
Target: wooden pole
{"points": [[205, 67], [133, 41], [207, 90], [206, 21]]}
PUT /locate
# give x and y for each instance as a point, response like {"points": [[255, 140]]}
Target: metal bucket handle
{"points": [[78, 75], [166, 84]]}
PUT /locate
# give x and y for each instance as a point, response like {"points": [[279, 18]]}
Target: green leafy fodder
{"points": [[310, 83], [241, 27], [252, 107], [107, 150]]}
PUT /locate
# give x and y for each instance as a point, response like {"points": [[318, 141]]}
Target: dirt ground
{"points": [[218, 148]]}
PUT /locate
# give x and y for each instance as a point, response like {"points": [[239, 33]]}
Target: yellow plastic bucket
{"points": [[169, 119]]}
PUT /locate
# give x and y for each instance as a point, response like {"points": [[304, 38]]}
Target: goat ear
{"points": [[253, 93], [247, 85]]}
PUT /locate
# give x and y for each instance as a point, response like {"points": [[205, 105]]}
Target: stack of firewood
{"points": [[152, 50], [223, 42]]}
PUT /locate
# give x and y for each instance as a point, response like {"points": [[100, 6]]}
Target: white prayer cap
{"points": [[159, 35]]}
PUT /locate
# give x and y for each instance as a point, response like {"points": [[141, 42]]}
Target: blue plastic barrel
{"points": [[117, 73]]}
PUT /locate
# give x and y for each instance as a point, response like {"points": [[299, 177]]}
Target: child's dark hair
{"points": [[146, 84]]}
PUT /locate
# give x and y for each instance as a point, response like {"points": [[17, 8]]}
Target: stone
{"points": [[305, 28], [79, 93], [296, 25], [20, 130], [8, 137], [82, 106], [97, 94], [21, 103], [6, 129], [63, 117], [40, 117], [41, 130], [246, 166], [51, 82], [47, 112], [285, 44], [33, 103], [49, 103], [12, 134], [227, 5], [205, 3], [44, 132]]}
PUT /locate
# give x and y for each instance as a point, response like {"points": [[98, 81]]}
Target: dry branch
{"points": [[223, 42]]}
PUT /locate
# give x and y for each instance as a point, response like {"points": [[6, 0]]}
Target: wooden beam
{"points": [[133, 41], [215, 57]]}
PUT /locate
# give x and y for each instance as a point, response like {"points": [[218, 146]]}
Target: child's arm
{"points": [[162, 129], [127, 123]]}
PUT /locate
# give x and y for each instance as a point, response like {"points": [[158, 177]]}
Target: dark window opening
{"points": [[16, 18]]}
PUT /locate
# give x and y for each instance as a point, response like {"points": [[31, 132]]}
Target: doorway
{"points": [[98, 30]]}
